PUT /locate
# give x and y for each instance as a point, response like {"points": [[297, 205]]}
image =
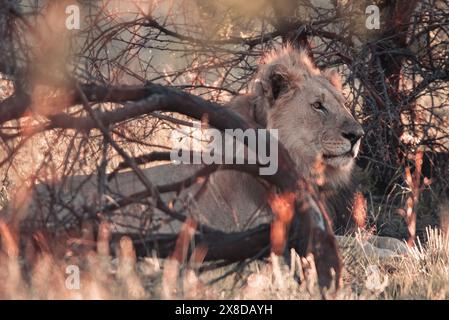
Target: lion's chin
{"points": [[342, 162], [338, 170]]}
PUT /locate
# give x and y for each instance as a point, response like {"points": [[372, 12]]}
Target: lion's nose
{"points": [[353, 135]]}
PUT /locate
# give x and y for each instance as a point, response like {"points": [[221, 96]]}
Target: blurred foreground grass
{"points": [[421, 273]]}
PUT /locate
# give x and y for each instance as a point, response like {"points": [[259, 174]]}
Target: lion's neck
{"points": [[316, 171]]}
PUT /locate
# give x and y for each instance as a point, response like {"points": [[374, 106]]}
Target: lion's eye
{"points": [[319, 106]]}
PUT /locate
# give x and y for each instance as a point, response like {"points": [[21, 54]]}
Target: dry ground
{"points": [[422, 272]]}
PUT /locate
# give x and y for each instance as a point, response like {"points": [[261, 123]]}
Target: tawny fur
{"points": [[303, 131], [233, 200]]}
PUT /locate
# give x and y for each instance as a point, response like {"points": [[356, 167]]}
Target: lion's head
{"points": [[306, 105]]}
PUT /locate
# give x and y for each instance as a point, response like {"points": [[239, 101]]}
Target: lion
{"points": [[287, 93], [306, 106]]}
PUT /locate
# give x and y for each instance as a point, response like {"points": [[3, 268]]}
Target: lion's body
{"points": [[228, 202], [288, 94]]}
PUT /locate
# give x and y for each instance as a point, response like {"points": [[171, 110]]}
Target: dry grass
{"points": [[422, 273]]}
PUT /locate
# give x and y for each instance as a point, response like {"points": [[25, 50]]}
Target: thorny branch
{"points": [[396, 83]]}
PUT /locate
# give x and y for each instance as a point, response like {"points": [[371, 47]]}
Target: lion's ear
{"points": [[334, 78], [279, 81]]}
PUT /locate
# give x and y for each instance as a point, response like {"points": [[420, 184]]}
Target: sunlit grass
{"points": [[420, 272]]}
